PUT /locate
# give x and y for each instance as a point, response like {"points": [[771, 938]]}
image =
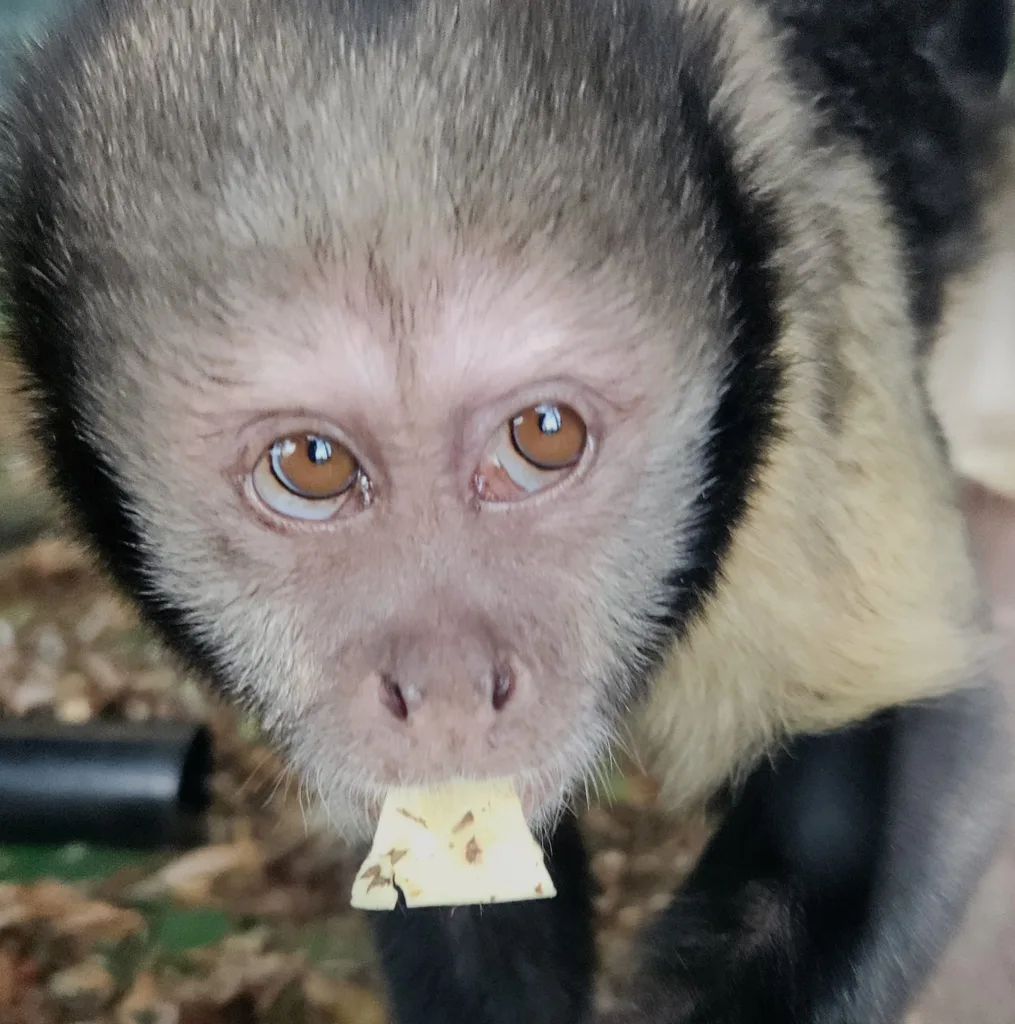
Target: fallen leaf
{"points": [[190, 878], [84, 989], [17, 976], [351, 1004], [95, 922], [143, 1004]]}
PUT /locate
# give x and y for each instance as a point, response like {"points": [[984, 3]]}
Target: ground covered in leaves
{"points": [[252, 927]]}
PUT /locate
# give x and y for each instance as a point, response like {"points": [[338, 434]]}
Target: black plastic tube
{"points": [[113, 784]]}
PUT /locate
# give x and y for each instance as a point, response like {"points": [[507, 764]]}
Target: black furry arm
{"points": [[824, 898], [519, 963], [836, 877]]}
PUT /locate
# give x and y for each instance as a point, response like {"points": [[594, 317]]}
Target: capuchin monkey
{"points": [[469, 386]]}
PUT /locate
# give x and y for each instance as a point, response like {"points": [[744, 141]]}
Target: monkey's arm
{"points": [[517, 963], [836, 877]]}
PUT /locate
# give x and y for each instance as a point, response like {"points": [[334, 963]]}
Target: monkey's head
{"points": [[386, 356]]}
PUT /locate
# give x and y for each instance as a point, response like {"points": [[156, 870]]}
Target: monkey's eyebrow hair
{"points": [[215, 434], [206, 369], [240, 422], [226, 381]]}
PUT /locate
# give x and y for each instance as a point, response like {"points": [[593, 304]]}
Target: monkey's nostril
{"points": [[393, 698], [503, 688]]}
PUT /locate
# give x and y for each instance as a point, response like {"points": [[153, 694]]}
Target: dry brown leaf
{"points": [[49, 899], [9, 979], [17, 975], [100, 922], [14, 915], [144, 1003], [352, 1004], [50, 558], [83, 989], [14, 908], [75, 710], [190, 878], [9, 894]]}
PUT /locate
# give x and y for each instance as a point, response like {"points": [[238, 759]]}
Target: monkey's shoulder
{"points": [[915, 87]]}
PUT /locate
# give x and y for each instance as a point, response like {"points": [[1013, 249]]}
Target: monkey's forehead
{"points": [[338, 128]]}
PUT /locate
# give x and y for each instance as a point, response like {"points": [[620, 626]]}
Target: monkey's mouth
{"points": [[351, 771], [539, 801], [352, 802]]}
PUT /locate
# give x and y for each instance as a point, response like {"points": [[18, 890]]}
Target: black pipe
{"points": [[113, 784]]}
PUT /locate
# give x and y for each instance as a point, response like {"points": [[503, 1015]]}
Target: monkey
{"points": [[475, 388]]}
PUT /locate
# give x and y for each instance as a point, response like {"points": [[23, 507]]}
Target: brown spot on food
{"points": [[472, 851], [467, 819], [395, 856], [412, 817], [371, 872], [539, 889], [379, 882]]}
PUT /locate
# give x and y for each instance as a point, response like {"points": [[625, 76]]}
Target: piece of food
{"points": [[460, 844]]}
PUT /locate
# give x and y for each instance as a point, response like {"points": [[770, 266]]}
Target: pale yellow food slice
{"points": [[463, 843]]}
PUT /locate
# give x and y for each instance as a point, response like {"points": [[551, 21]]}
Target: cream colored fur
{"points": [[849, 586]]}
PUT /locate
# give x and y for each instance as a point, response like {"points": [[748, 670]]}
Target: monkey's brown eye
{"points": [[535, 449], [305, 476], [312, 466], [549, 436]]}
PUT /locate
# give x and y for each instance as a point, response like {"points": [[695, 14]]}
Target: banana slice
{"points": [[461, 844]]}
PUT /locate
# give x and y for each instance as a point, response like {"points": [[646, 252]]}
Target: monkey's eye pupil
{"points": [[313, 467], [550, 437]]}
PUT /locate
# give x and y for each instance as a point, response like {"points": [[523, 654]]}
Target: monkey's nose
{"points": [[403, 699], [503, 688], [396, 699]]}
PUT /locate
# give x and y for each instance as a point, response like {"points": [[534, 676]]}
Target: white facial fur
{"points": [[426, 583]]}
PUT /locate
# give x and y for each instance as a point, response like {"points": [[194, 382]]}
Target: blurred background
{"points": [[251, 924]]}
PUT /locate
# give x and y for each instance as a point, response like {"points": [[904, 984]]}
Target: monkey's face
{"points": [[405, 375], [427, 527]]}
